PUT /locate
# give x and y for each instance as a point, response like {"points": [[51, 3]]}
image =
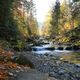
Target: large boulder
{"points": [[60, 48], [68, 48], [22, 59], [50, 48], [76, 47]]}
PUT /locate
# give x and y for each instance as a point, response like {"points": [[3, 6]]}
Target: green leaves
{"points": [[17, 20]]}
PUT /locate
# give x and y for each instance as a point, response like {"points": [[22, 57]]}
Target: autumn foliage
{"points": [[6, 64]]}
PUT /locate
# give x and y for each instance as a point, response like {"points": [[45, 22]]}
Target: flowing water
{"points": [[69, 55]]}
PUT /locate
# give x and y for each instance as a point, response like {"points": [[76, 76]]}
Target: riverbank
{"points": [[54, 66], [28, 65], [19, 65]]}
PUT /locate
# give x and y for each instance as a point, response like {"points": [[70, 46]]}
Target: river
{"points": [[68, 55]]}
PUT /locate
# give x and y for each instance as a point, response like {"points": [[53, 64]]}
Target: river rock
{"points": [[53, 74], [46, 54], [68, 48], [50, 48], [57, 68], [60, 48], [21, 59], [76, 47], [61, 72]]}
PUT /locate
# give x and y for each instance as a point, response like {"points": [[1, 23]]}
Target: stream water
{"points": [[69, 55]]}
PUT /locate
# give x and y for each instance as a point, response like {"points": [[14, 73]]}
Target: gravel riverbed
{"points": [[54, 66]]}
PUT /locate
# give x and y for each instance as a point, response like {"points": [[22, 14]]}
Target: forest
{"points": [[63, 23], [17, 22], [23, 48]]}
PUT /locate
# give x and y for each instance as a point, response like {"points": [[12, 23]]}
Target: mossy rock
{"points": [[60, 48], [22, 60], [50, 48], [68, 48]]}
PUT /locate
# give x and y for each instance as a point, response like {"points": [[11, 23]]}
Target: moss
{"points": [[22, 60]]}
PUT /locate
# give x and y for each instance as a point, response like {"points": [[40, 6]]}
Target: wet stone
{"points": [[53, 74], [62, 72]]}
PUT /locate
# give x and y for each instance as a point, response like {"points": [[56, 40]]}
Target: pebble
{"points": [[10, 74], [61, 58], [52, 74], [61, 72], [56, 67]]}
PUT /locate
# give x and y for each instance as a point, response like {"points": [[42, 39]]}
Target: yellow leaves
{"points": [[62, 39], [76, 22], [67, 26], [77, 43], [71, 58]]}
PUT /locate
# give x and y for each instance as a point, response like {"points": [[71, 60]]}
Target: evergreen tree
{"points": [[7, 24], [55, 18]]}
